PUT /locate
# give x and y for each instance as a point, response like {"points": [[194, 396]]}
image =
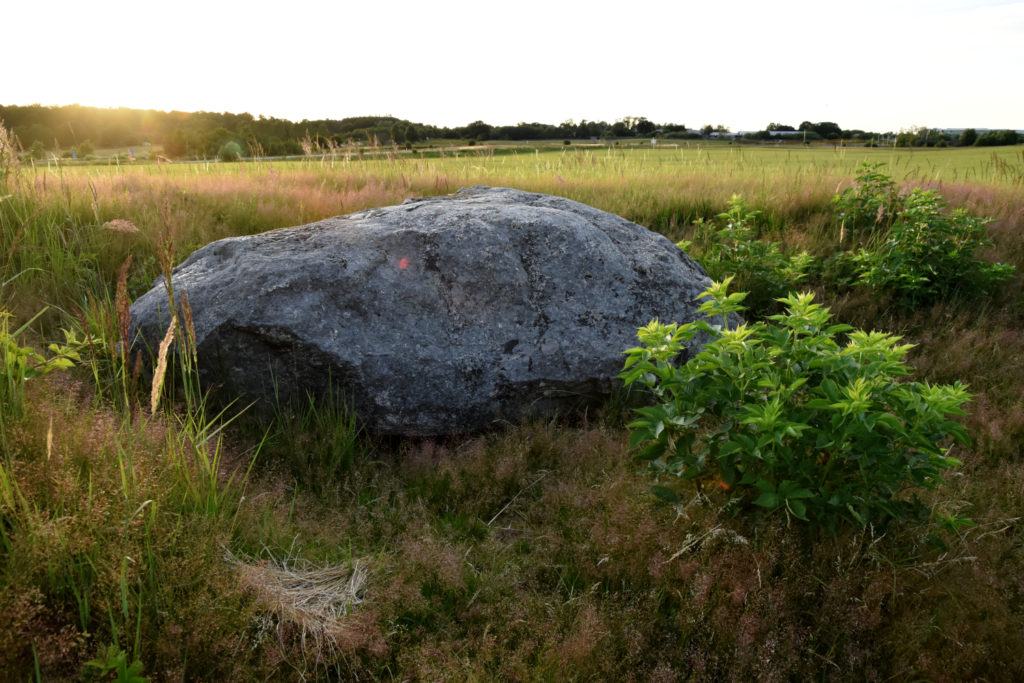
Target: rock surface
{"points": [[437, 316]]}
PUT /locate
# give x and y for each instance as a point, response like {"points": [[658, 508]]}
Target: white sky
{"points": [[872, 64]]}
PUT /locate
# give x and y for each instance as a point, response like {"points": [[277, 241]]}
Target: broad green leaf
{"points": [[666, 494], [797, 508]]}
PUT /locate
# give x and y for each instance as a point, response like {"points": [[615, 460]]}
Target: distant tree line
{"points": [[42, 130], [811, 132], [205, 134], [930, 137], [915, 137]]}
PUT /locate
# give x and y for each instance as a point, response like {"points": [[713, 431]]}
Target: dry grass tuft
{"points": [[317, 598], [312, 609], [120, 225]]}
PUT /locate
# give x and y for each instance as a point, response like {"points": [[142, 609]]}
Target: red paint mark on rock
{"points": [[403, 263]]}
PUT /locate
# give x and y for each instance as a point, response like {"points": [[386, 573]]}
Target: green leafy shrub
{"points": [[909, 246], [870, 204], [929, 254], [734, 250], [21, 363], [112, 664], [795, 415], [230, 151]]}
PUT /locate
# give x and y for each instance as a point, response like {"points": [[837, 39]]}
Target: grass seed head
{"points": [[161, 366], [122, 305]]}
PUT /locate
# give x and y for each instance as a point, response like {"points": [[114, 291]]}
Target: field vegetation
{"points": [[147, 534]]}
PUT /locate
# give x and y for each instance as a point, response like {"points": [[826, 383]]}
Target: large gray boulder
{"points": [[441, 315]]}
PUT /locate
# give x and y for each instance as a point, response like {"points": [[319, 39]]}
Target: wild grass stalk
{"points": [[197, 453], [321, 439]]}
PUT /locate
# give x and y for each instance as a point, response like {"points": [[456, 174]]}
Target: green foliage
{"points": [[478, 130], [826, 129], [320, 439], [38, 150], [921, 137], [911, 248], [112, 665], [22, 363], [921, 253], [871, 204], [730, 248], [398, 133], [85, 148], [796, 415], [929, 254], [230, 151], [996, 138]]}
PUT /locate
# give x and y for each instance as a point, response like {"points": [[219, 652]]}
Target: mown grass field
{"points": [[305, 548]]}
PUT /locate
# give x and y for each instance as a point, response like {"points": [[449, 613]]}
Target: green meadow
{"points": [[146, 533]]}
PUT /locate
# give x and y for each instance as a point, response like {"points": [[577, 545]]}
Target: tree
{"points": [[780, 126], [33, 133], [119, 134], [968, 137], [644, 127], [928, 137], [230, 151], [566, 129], [826, 129], [478, 130], [398, 135], [620, 129], [996, 138], [829, 130]]}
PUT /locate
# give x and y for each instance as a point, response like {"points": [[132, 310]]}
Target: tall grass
{"points": [[59, 234], [532, 553]]}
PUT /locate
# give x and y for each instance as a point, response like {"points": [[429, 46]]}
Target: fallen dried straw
{"points": [[120, 225], [316, 598]]}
